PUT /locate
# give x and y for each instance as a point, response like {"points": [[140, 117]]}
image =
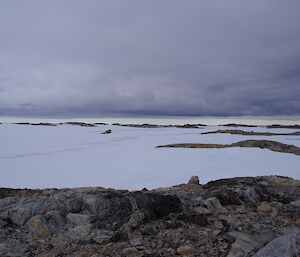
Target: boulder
{"points": [[283, 246], [194, 180], [244, 244], [212, 204], [20, 216], [37, 225]]}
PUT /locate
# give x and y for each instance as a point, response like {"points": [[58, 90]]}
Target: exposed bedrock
{"points": [[230, 217]]}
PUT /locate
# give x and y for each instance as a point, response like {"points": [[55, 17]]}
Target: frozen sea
{"points": [[74, 156]]}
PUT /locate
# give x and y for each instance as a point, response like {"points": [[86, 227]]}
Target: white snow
{"points": [[73, 156]]}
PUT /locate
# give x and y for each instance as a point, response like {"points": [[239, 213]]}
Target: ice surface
{"points": [[73, 156]]}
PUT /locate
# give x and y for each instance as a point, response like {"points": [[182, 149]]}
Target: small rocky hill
{"points": [[247, 216]]}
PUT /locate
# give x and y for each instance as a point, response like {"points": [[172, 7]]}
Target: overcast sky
{"points": [[164, 57]]}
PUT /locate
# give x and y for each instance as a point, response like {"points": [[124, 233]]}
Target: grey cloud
{"points": [[169, 57]]}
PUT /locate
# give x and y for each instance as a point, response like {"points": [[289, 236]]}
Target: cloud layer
{"points": [[168, 57]]}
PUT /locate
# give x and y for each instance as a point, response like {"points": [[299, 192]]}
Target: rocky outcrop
{"points": [[250, 133], [238, 125], [249, 216], [107, 132], [188, 126], [194, 180], [37, 124], [263, 144], [284, 126], [78, 123]]}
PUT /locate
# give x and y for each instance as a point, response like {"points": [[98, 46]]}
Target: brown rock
{"points": [[194, 180], [186, 249], [265, 208], [37, 226]]}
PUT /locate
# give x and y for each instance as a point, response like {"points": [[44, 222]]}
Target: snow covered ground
{"points": [[73, 156]]}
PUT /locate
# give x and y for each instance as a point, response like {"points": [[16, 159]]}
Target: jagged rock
{"points": [[194, 180], [212, 204], [234, 217], [283, 246]]}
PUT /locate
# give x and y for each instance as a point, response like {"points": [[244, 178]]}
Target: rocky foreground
{"points": [[250, 216]]}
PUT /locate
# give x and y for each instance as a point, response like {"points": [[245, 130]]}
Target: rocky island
{"points": [[263, 144], [246, 216], [249, 133]]}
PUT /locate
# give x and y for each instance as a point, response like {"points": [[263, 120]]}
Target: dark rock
{"points": [[225, 196], [199, 219], [82, 124], [107, 132], [187, 126]]}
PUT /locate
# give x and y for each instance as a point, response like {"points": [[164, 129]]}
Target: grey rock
{"points": [[80, 232], [283, 246], [295, 203], [37, 225], [212, 204], [20, 216], [244, 244], [228, 216], [74, 205]]}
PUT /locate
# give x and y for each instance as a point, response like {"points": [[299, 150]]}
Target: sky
{"points": [[140, 57]]}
